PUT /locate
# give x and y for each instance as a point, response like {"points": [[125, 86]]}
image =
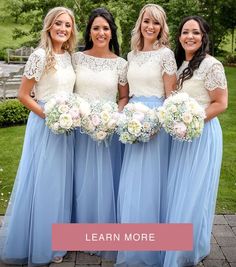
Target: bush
{"points": [[12, 112], [3, 54], [230, 59]]}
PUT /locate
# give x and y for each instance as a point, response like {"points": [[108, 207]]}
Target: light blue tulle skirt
{"points": [[142, 192], [193, 178], [97, 169], [42, 195], [96, 179]]}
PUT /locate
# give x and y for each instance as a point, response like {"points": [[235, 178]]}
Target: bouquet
{"points": [[100, 120], [182, 117], [137, 123], [63, 112]]}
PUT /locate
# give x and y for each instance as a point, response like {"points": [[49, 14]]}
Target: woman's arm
{"points": [[25, 98], [169, 83], [219, 103], [123, 96]]}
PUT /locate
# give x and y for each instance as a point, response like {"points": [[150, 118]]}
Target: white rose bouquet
{"points": [[63, 112], [100, 120], [182, 117], [137, 123]]}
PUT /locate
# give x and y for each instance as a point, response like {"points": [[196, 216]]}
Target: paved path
{"points": [[223, 249], [5, 68]]}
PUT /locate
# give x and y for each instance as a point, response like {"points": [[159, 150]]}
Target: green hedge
{"points": [[12, 112], [230, 59]]}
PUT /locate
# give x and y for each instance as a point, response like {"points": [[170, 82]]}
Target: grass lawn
{"points": [[226, 202], [11, 140]]}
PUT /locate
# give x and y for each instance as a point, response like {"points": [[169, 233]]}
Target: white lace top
{"points": [[98, 78], [62, 78], [146, 69], [209, 76]]}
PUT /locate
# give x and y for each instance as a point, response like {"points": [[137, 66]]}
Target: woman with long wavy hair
{"points": [[194, 167], [42, 193], [100, 75], [151, 76]]}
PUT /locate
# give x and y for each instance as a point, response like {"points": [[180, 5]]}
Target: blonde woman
{"points": [[151, 77], [42, 191]]}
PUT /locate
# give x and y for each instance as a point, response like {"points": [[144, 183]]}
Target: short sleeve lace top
{"points": [[209, 76], [60, 78], [98, 78], [146, 69]]}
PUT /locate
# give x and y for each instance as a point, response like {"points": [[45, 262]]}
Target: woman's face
{"points": [[191, 38], [61, 29], [100, 33], [150, 28]]}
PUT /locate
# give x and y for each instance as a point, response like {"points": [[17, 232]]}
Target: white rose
{"points": [[180, 129], [65, 121], [111, 124], [129, 106], [184, 96], [187, 117], [105, 116], [74, 112], [126, 138], [141, 107], [106, 107], [95, 120], [116, 115], [134, 127], [179, 98], [63, 108], [138, 116], [173, 108], [101, 135], [55, 126], [121, 116], [84, 108], [152, 114], [49, 106], [147, 127]]}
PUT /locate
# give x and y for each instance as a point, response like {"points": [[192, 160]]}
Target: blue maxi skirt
{"points": [[193, 178], [42, 195], [97, 169], [142, 191]]}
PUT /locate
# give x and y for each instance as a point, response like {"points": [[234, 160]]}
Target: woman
{"points": [[194, 167], [151, 76], [42, 193], [100, 75]]}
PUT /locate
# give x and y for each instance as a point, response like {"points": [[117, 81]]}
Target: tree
{"points": [[13, 12], [126, 15], [228, 7]]}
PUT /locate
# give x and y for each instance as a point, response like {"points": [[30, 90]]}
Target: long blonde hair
{"points": [[46, 41], [158, 14]]}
